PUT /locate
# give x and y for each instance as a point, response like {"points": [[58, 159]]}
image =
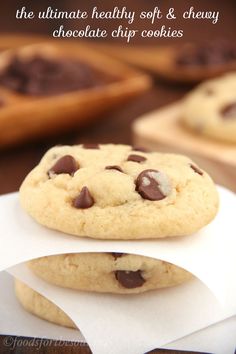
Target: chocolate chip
{"points": [[84, 199], [209, 91], [206, 54], [117, 255], [115, 167], [129, 279], [136, 158], [139, 148], [66, 164], [91, 146], [196, 169], [153, 185], [229, 111], [39, 75]]}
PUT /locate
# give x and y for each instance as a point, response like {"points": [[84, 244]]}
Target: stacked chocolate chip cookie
{"points": [[114, 192]]}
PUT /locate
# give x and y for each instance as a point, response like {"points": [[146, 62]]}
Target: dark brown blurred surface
{"points": [[194, 29], [15, 163], [68, 349]]}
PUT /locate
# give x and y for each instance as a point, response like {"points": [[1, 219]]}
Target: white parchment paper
{"points": [[119, 324], [111, 322], [209, 254], [14, 320]]}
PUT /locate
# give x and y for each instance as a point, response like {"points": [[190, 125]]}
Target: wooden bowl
{"points": [[24, 117], [161, 61]]}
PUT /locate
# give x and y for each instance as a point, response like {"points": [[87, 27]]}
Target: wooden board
{"points": [[161, 130]]}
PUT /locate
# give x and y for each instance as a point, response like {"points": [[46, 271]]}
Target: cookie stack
{"points": [[114, 192]]}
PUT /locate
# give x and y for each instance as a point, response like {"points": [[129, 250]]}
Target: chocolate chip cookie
{"points": [[40, 306], [118, 273], [210, 110], [119, 192]]}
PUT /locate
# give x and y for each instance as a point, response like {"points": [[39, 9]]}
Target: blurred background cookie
{"points": [[210, 110]]}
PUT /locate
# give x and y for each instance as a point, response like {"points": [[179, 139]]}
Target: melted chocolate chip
{"points": [[115, 167], [91, 146], [66, 164], [139, 148], [136, 158], [129, 279], [84, 200], [196, 169], [229, 111], [117, 255], [149, 185]]}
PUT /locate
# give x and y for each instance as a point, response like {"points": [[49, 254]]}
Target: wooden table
{"points": [[16, 162], [70, 348]]}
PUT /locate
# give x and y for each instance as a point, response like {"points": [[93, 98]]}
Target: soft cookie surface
{"points": [[40, 306], [118, 192], [210, 109], [117, 273]]}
